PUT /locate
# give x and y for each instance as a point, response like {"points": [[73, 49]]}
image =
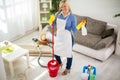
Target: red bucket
{"points": [[53, 67]]}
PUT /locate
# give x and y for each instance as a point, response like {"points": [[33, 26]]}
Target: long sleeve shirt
{"points": [[71, 22]]}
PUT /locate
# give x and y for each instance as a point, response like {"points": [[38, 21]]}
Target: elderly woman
{"points": [[66, 24]]}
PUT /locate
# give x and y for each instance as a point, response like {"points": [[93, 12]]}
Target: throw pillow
{"points": [[103, 43], [95, 26], [107, 33]]}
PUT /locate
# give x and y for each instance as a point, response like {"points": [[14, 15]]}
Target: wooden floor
{"points": [[107, 70]]}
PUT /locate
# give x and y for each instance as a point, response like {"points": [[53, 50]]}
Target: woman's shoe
{"points": [[65, 72]]}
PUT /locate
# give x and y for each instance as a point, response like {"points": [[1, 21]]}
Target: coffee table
{"points": [[12, 56]]}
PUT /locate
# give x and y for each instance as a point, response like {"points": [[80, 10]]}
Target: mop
{"points": [[53, 65]]}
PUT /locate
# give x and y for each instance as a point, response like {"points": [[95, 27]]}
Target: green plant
{"points": [[55, 6], [117, 15]]}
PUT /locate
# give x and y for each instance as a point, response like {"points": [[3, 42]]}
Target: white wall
{"points": [[98, 9]]}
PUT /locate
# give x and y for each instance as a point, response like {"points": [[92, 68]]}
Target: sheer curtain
{"points": [[17, 17]]}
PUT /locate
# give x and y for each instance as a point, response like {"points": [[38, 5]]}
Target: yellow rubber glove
{"points": [[52, 18], [82, 23]]}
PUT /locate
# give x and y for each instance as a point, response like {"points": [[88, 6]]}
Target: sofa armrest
{"points": [[104, 43]]}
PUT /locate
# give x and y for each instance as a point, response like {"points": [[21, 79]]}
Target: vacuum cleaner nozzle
{"points": [[36, 41]]}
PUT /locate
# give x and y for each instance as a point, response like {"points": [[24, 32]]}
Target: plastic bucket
{"points": [[53, 67]]}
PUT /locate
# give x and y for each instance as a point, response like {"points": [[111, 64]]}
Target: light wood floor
{"points": [[107, 70]]}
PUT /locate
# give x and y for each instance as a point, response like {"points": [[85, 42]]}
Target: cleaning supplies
{"points": [[84, 30], [81, 26], [89, 73]]}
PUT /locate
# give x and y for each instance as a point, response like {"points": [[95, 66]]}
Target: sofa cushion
{"points": [[89, 40], [107, 33], [103, 43], [80, 18], [102, 54], [95, 26]]}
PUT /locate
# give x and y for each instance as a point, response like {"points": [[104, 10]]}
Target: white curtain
{"points": [[17, 17]]}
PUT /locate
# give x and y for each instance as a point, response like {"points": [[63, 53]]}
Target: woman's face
{"points": [[65, 8]]}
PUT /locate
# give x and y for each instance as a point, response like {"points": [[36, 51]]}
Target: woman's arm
{"points": [[74, 24]]}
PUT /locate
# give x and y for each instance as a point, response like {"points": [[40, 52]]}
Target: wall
{"points": [[98, 9]]}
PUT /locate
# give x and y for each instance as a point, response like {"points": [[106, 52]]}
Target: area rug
{"points": [[35, 51]]}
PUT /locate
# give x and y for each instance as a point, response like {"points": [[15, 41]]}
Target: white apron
{"points": [[63, 40]]}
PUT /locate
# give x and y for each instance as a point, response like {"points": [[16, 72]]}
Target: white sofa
{"points": [[101, 54]]}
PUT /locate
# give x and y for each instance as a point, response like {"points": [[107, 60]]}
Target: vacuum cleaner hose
{"points": [[35, 40]]}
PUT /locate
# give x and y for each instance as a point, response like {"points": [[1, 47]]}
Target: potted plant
{"points": [[117, 15], [55, 6]]}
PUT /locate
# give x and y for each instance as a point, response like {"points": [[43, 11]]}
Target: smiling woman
{"points": [[17, 17]]}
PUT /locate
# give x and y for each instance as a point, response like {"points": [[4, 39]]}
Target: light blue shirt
{"points": [[71, 22]]}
